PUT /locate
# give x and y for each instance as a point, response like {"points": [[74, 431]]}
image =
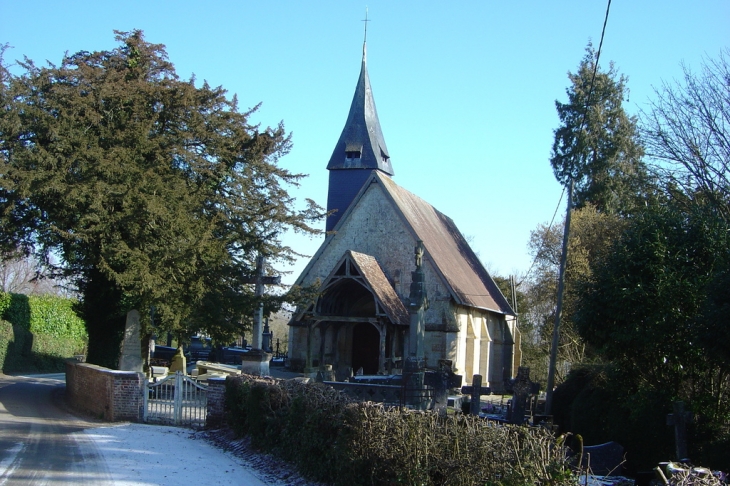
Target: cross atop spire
{"points": [[366, 20], [365, 41]]}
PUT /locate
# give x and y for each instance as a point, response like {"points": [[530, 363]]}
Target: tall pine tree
{"points": [[597, 143]]}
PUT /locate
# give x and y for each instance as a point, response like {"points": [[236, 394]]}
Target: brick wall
{"points": [[216, 402], [106, 394]]}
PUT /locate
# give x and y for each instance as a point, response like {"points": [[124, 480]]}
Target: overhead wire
{"points": [[534, 260], [580, 129]]}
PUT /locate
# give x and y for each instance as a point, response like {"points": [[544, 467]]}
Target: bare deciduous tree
{"points": [[687, 130], [24, 275]]}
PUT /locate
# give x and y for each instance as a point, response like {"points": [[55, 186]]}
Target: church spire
{"points": [[360, 149], [361, 144]]}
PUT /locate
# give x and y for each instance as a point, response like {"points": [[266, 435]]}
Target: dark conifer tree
{"points": [[597, 143], [155, 192]]}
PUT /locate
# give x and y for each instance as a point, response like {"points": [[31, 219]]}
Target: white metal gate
{"points": [[176, 400]]}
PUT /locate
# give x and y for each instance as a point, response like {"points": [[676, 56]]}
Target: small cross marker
{"points": [[476, 390]]}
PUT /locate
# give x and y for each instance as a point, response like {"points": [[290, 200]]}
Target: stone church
{"points": [[359, 321]]}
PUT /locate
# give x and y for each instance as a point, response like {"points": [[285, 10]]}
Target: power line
{"points": [[537, 254], [580, 128], [595, 70], [566, 235]]}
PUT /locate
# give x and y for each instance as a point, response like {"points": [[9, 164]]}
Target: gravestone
{"points": [[131, 355], [476, 390], [520, 393], [178, 362], [604, 459], [442, 381], [266, 337], [679, 419]]}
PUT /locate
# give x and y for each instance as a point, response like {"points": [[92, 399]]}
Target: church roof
{"points": [[470, 283], [383, 291], [467, 280], [361, 144]]}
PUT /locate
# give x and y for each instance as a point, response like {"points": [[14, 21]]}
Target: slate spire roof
{"points": [[361, 144]]}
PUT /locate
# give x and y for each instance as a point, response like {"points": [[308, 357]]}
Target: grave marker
{"points": [[442, 381], [679, 419], [131, 353], [476, 390], [521, 390]]}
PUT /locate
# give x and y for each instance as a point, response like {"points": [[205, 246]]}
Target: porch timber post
{"points": [[322, 344], [391, 358], [381, 358], [308, 364]]}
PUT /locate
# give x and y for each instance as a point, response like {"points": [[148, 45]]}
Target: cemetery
{"points": [[417, 426]]}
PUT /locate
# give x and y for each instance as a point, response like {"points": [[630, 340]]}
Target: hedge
{"points": [[333, 439], [38, 332]]}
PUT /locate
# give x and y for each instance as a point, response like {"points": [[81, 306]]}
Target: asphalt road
{"points": [[39, 441]]}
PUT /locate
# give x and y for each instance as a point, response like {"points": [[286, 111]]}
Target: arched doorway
{"points": [[365, 348]]}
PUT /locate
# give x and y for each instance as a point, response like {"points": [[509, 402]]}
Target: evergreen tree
{"points": [[154, 192], [597, 143], [656, 306]]}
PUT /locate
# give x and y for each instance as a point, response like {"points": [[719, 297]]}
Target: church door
{"points": [[365, 348]]}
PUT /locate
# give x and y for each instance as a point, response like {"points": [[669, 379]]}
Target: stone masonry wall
{"points": [[376, 229], [107, 394]]}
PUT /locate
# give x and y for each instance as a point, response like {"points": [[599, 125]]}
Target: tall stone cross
{"points": [[260, 280], [417, 306], [476, 390], [414, 365]]}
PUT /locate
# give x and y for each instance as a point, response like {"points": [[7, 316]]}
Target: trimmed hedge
{"points": [[4, 303], [38, 332], [338, 441]]}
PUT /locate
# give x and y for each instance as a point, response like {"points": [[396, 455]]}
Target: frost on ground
{"points": [[137, 454], [272, 469]]}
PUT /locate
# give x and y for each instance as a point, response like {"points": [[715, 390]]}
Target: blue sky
{"points": [[465, 91]]}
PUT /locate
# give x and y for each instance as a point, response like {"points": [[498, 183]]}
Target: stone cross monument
{"points": [[415, 366], [476, 390], [256, 361]]}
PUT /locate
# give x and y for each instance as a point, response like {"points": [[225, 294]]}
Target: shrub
{"points": [[4, 302], [601, 405], [39, 332], [336, 440]]}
